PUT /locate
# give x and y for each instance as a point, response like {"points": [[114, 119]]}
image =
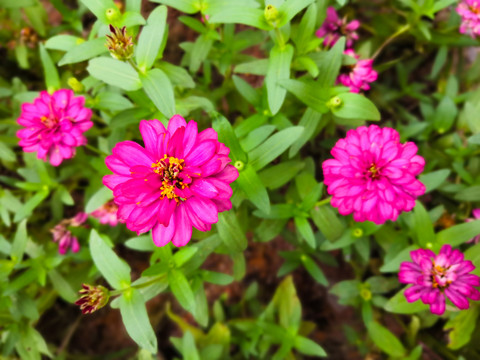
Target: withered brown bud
{"points": [[119, 43], [92, 298]]}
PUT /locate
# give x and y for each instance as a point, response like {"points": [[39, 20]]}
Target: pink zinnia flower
{"points": [[476, 216], [436, 276], [469, 10], [359, 76], [179, 180], [53, 125], [64, 237], [107, 213], [333, 28], [372, 175]]}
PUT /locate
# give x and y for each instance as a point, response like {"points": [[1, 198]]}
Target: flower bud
{"points": [[334, 102], [119, 43], [92, 298], [112, 14], [239, 165], [76, 85], [271, 13]]}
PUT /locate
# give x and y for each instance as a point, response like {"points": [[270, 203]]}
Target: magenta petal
{"points": [[150, 136], [183, 230], [162, 235], [176, 122], [205, 209], [438, 305], [201, 153], [132, 154]]}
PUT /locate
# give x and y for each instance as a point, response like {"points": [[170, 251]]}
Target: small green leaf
{"points": [[385, 340], [217, 278], [19, 242], [183, 255], [200, 51], [136, 321], [305, 230], [151, 38], [327, 221], [434, 179], [230, 232], [114, 72], [115, 270], [314, 270], [159, 89], [186, 6], [62, 286], [52, 81], [256, 137], [227, 136], [98, 199], [290, 8], [356, 106], [276, 176], [398, 304], [84, 51], [422, 226], [240, 13], [462, 326], [445, 115], [308, 347], [181, 289], [99, 8], [273, 147], [31, 204], [394, 264], [459, 234], [189, 348], [309, 93], [278, 69], [329, 65], [253, 188]]}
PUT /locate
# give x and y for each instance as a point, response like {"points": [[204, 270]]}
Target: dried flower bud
{"points": [[92, 298], [119, 43]]}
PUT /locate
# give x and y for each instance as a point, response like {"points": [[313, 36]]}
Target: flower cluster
{"points": [[333, 28], [435, 277], [53, 125], [372, 174], [359, 75], [64, 237], [469, 10], [179, 180]]}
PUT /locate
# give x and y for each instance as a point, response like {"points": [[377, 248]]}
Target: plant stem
{"points": [[392, 37], [94, 149]]}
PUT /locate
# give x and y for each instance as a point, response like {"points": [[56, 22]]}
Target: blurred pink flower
{"points": [[179, 180], [107, 213], [360, 74], [53, 125], [372, 175], [64, 237], [469, 10], [476, 216], [436, 276], [333, 28]]}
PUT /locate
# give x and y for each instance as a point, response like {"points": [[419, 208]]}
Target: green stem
{"points": [[279, 37], [94, 149], [392, 37], [323, 202], [139, 286]]}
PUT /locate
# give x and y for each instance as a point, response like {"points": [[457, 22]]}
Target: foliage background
{"points": [[228, 293]]}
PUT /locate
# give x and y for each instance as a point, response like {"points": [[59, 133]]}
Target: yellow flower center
{"points": [[169, 169]]}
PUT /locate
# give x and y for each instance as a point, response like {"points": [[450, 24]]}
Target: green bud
{"points": [[76, 85], [334, 102], [365, 293], [271, 13], [357, 232], [239, 165], [112, 14]]}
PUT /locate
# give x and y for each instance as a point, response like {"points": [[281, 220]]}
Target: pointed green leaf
{"points": [[114, 72], [84, 51], [230, 232], [278, 69], [52, 81], [181, 289], [159, 89], [356, 106], [253, 188], [151, 38], [385, 340]]}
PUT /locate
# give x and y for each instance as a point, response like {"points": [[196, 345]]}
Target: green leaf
{"points": [[99, 8], [256, 137], [445, 115], [329, 65], [314, 270], [159, 89], [136, 321], [422, 226], [84, 51], [6, 153], [278, 69], [62, 286], [115, 270], [255, 67], [253, 188], [141, 243], [151, 38], [181, 289], [98, 199], [217, 278], [178, 75], [356, 106], [273, 147], [239, 13], [37, 16], [327, 221], [186, 6], [200, 51], [385, 340], [434, 179], [398, 304], [459, 234], [31, 204], [309, 93], [19, 242], [471, 193], [227, 136], [246, 90], [462, 326], [306, 29], [11, 4], [279, 211], [52, 81], [290, 8], [230, 232], [115, 72], [189, 348], [183, 255], [305, 230], [308, 347], [394, 264], [276, 176]]}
